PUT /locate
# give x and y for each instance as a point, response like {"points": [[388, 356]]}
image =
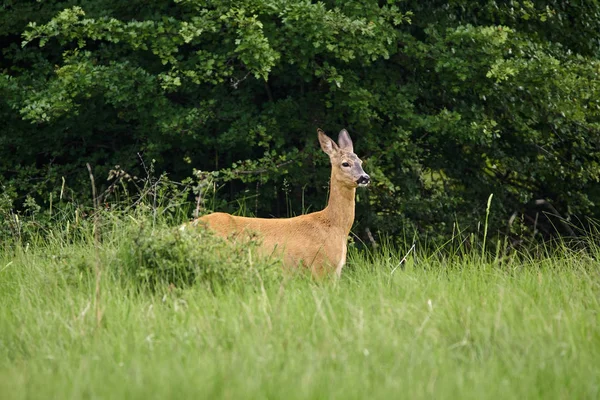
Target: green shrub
{"points": [[182, 257]]}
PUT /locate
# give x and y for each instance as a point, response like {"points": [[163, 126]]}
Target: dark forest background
{"points": [[447, 103]]}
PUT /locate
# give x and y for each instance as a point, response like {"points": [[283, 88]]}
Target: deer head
{"points": [[346, 167]]}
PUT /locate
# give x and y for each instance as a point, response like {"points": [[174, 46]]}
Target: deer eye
{"points": [[345, 164]]}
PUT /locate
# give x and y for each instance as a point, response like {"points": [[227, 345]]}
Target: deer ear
{"points": [[345, 142], [327, 144]]}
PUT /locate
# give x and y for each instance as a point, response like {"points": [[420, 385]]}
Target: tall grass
{"points": [[397, 324], [181, 314]]}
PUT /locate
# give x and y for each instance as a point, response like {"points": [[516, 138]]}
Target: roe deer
{"points": [[317, 240]]}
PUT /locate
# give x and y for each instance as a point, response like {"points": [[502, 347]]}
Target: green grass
{"points": [[439, 328]]}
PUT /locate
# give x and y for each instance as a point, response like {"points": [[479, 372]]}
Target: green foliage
{"points": [[448, 102], [186, 256]]}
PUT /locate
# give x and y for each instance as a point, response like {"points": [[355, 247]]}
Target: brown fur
{"points": [[317, 240]]}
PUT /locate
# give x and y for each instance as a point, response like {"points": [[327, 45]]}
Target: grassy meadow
{"points": [[96, 317]]}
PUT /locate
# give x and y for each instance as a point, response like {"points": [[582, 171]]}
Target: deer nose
{"points": [[364, 180]]}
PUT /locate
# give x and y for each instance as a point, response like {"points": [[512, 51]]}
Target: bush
{"points": [[182, 257]]}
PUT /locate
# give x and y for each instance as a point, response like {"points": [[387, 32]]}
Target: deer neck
{"points": [[340, 207]]}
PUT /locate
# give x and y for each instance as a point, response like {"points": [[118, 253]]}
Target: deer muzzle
{"points": [[364, 180]]}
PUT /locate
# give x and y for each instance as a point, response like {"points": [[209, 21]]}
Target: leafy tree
{"points": [[466, 100]]}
